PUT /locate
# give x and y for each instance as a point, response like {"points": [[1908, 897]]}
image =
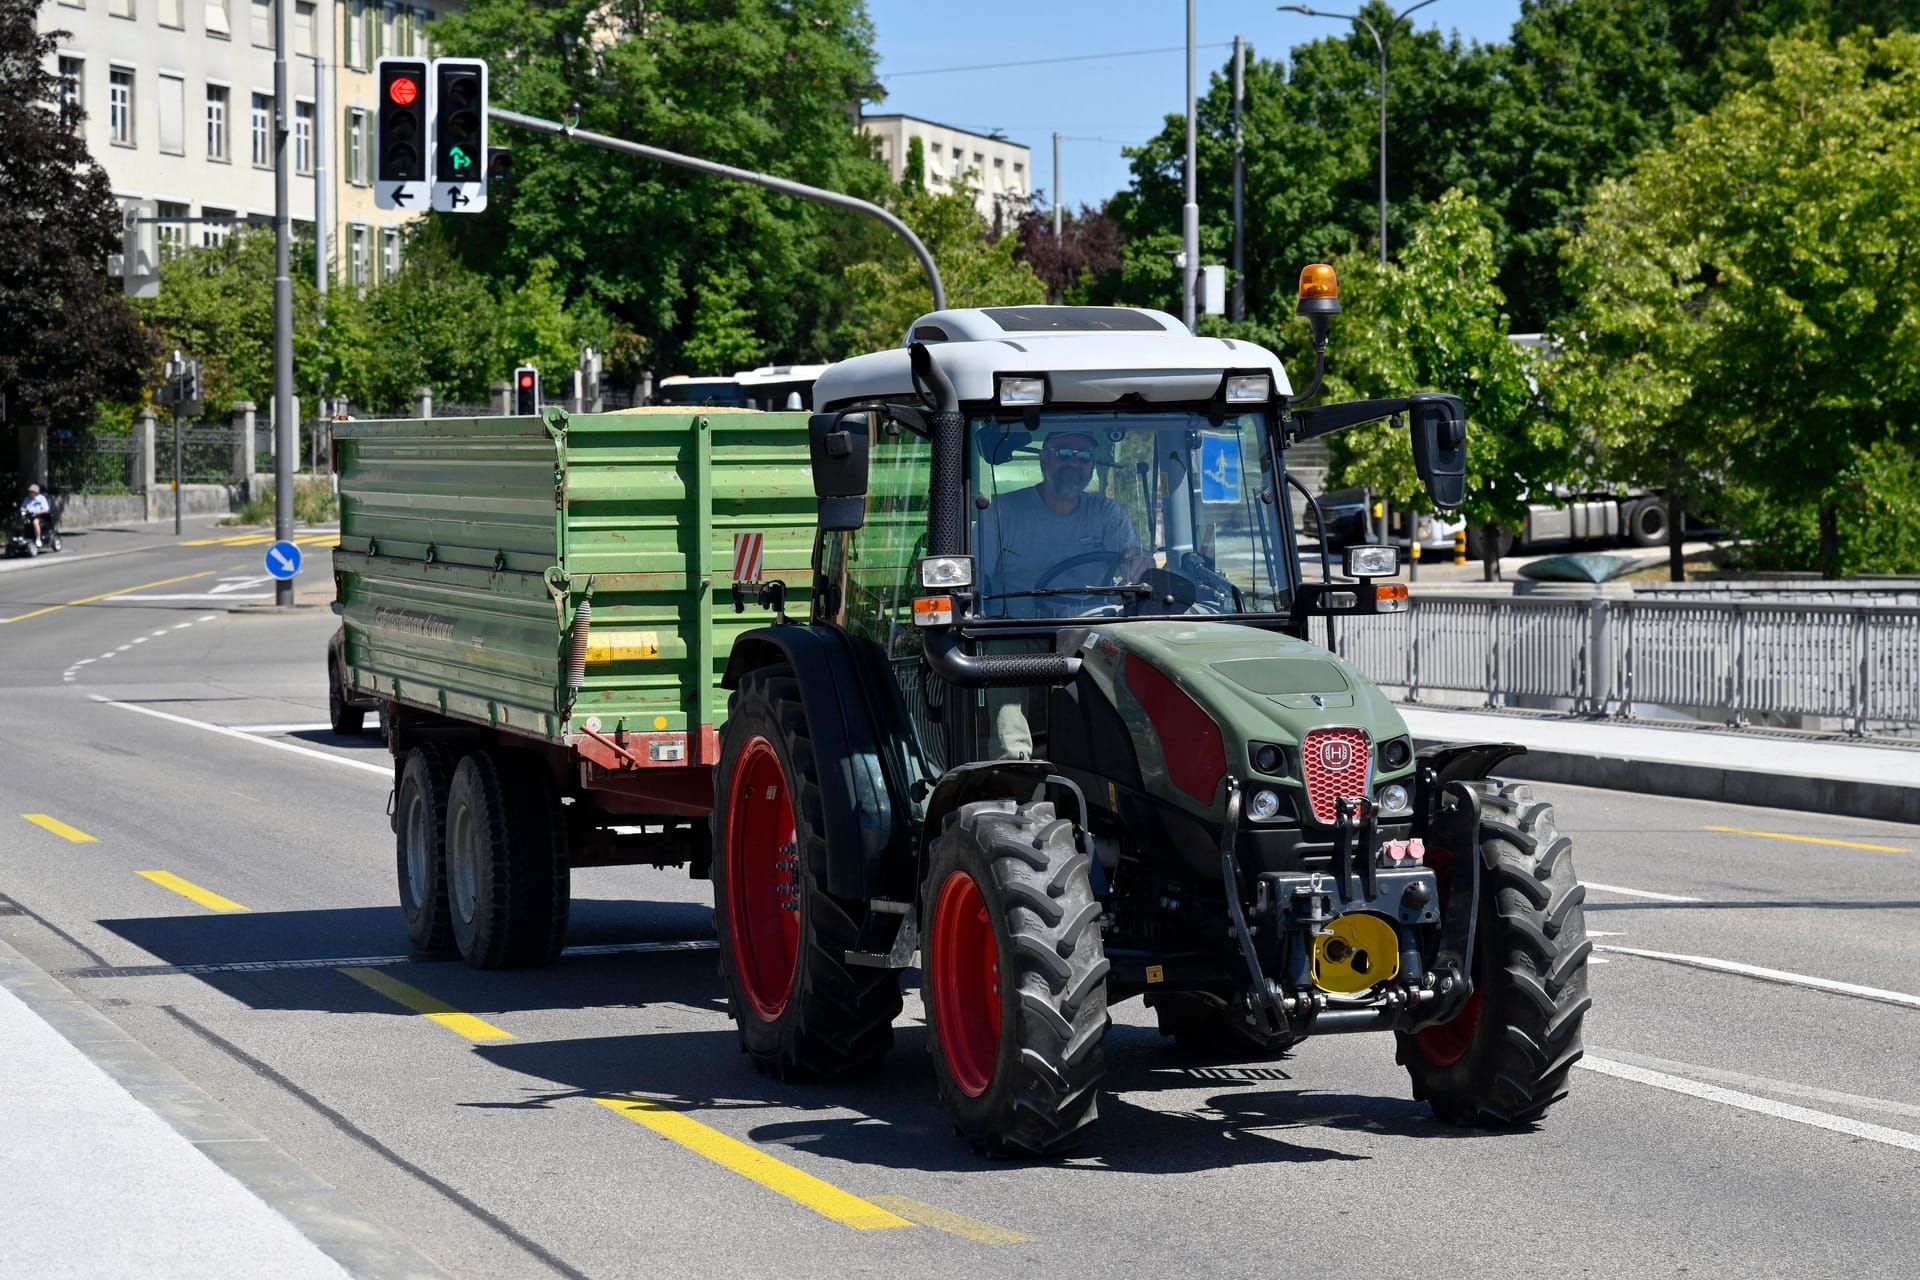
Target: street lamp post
{"points": [[1381, 45]]}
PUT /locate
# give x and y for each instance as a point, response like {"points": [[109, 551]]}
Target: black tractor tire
{"points": [[342, 716], [1014, 972], [802, 1011], [1206, 1026], [1647, 523], [1504, 1059], [508, 881], [420, 846]]}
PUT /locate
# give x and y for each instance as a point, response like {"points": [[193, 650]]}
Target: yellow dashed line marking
{"points": [[187, 889], [59, 828], [750, 1162], [55, 608], [464, 1024], [954, 1224], [1781, 835]]}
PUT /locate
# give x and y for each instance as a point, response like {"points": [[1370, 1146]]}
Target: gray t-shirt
{"points": [[1020, 538]]}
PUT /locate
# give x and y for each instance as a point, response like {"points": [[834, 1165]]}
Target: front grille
{"points": [[1335, 763]]}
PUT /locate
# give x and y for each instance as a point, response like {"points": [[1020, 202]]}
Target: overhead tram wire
{"points": [[1044, 62]]}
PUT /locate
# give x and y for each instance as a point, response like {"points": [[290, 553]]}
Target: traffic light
{"points": [[400, 145], [190, 384], [459, 135], [526, 390]]}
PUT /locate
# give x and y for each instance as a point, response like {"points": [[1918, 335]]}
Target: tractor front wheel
{"points": [[802, 1010], [1015, 978], [1504, 1058]]}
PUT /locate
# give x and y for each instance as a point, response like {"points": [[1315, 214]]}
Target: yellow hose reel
{"points": [[1355, 952]]}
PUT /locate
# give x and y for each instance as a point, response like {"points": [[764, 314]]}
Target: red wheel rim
{"points": [[1447, 1043], [763, 897], [966, 984]]}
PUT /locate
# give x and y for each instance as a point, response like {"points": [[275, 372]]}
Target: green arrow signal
{"points": [[461, 160]]}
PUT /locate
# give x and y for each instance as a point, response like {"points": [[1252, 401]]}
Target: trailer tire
{"points": [[507, 874], [1647, 523], [1014, 975], [1504, 1059], [342, 716], [802, 1011], [420, 846]]}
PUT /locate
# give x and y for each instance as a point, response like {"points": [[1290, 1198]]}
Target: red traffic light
{"points": [[526, 380], [403, 91]]}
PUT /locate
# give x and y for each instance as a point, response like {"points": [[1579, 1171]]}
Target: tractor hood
{"points": [[1212, 693]]}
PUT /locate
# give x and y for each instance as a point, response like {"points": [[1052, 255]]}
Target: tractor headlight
{"points": [[944, 573], [1249, 388], [1393, 800], [1021, 391], [1270, 759], [1264, 807], [1395, 753], [1372, 560]]}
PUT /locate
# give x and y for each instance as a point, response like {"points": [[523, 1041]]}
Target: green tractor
{"points": [[1054, 729]]}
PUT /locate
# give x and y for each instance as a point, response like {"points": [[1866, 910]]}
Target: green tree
{"points": [[769, 85], [67, 337], [889, 290], [1748, 302]]}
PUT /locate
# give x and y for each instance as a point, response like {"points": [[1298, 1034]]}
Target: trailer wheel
{"points": [[1503, 1060], [802, 1011], [1647, 523], [1015, 978], [507, 874], [342, 716], [420, 846]]}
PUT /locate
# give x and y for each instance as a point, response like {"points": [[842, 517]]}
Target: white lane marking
{"points": [[123, 648], [279, 728], [207, 617], [1752, 1102], [84, 661], [228, 588], [1832, 1097], [139, 640], [108, 654], [1772, 975], [384, 771], [1638, 893], [162, 631], [178, 625], [204, 597]]}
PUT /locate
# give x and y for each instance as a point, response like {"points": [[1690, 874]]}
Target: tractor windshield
{"points": [[1082, 513]]}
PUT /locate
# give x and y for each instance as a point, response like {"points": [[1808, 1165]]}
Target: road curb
{"points": [[1839, 796]]}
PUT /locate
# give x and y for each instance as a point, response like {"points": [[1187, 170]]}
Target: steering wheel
{"points": [[1110, 558]]}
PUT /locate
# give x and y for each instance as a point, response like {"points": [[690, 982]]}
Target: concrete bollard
{"points": [[502, 397], [423, 402]]}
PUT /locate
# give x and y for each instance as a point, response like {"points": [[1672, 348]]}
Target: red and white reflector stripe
{"points": [[746, 556]]}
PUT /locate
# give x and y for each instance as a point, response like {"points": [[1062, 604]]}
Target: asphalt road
{"points": [[1748, 1106]]}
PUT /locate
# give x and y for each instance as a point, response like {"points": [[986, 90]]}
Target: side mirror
{"points": [[837, 444], [1439, 425]]}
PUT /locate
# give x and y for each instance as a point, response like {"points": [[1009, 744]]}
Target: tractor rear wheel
{"points": [[507, 872], [802, 1010], [1504, 1059], [1015, 978]]}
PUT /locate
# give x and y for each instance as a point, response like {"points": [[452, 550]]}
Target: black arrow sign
{"points": [[456, 198], [400, 194]]}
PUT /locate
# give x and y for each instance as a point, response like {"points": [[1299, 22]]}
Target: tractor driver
{"points": [[1028, 538]]}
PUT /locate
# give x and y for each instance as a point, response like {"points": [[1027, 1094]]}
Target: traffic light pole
{"points": [[801, 189], [286, 431]]}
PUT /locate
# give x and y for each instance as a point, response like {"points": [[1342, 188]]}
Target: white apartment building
{"points": [[1000, 172], [179, 99]]}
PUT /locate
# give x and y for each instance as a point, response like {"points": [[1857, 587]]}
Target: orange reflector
{"points": [[933, 611], [1393, 591], [1318, 281], [1390, 597]]}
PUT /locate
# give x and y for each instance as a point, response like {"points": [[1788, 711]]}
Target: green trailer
{"points": [[543, 607]]}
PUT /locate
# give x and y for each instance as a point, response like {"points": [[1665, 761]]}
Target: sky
{"points": [[1099, 104]]}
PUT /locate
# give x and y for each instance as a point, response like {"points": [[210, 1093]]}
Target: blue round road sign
{"points": [[283, 559]]}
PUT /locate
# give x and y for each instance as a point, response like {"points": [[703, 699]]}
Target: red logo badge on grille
{"points": [[1336, 754]]}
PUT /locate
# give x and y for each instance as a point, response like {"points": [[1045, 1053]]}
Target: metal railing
{"points": [[1731, 660]]}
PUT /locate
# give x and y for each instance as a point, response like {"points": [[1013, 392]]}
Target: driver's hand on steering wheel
{"points": [[1134, 562]]}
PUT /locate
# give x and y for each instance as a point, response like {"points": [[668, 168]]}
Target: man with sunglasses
{"points": [[1025, 535]]}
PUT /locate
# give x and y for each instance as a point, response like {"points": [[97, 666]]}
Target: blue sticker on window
{"points": [[1219, 468]]}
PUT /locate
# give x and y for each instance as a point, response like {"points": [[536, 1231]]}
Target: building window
{"points": [[173, 114], [216, 122], [214, 234], [263, 23], [304, 20], [120, 106], [389, 254], [357, 146], [303, 137], [262, 131], [173, 235], [120, 8], [403, 31], [217, 24], [357, 256], [173, 13], [357, 35], [73, 74]]}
